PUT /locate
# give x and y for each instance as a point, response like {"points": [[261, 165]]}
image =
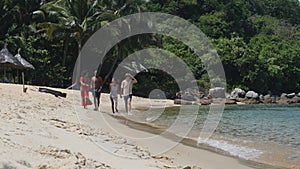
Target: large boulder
{"points": [[283, 96], [291, 95], [268, 99], [237, 93], [217, 92], [251, 95]]}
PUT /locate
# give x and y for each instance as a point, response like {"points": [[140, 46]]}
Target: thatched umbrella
{"points": [[26, 65], [7, 60]]}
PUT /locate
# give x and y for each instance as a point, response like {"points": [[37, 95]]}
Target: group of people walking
{"points": [[124, 90]]}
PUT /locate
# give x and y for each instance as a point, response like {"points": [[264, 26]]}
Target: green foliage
{"points": [[257, 41]]}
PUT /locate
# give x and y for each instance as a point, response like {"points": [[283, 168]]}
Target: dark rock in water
{"points": [[230, 101], [291, 95], [251, 95], [217, 92], [237, 93]]}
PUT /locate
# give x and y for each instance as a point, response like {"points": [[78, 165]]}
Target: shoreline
{"points": [[41, 130], [150, 128]]}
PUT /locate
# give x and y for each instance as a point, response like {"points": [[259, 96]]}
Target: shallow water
{"points": [[263, 133]]}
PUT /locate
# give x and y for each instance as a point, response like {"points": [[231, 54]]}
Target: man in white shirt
{"points": [[126, 91]]}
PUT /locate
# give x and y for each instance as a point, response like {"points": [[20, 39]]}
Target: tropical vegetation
{"points": [[258, 41]]}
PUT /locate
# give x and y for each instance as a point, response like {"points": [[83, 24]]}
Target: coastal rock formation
{"points": [[288, 98], [251, 101], [251, 95], [205, 101], [237, 93], [184, 102], [237, 96], [283, 96], [190, 94], [291, 95], [217, 92], [230, 101], [269, 99]]}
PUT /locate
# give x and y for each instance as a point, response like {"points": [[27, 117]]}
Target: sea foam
{"points": [[234, 150]]}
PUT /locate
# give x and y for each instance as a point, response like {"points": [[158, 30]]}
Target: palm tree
{"points": [[77, 19]]}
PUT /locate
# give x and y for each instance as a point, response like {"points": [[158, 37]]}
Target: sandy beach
{"points": [[39, 130]]}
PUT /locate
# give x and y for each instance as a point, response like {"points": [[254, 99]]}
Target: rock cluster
{"points": [[237, 96]]}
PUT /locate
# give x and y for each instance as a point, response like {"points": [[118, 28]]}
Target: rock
{"points": [[267, 99], [217, 92], [227, 96], [230, 101], [291, 95], [184, 102], [193, 167], [188, 97], [261, 97], [288, 101], [190, 94], [241, 99], [267, 96], [237, 93], [251, 101], [283, 96], [205, 101], [251, 95], [274, 97]]}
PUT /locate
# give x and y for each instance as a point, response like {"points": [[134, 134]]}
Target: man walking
{"points": [[126, 91], [96, 86]]}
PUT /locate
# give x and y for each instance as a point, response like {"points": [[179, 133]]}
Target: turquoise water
{"points": [[264, 133]]}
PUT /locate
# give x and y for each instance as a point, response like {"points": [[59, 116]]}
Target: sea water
{"points": [[264, 133]]}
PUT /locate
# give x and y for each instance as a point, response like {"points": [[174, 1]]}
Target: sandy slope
{"points": [[39, 130]]}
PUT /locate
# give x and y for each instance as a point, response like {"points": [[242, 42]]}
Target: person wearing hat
{"points": [[126, 91]]}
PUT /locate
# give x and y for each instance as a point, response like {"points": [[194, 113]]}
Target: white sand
{"points": [[39, 130]]}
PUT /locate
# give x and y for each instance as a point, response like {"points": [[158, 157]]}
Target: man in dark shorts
{"points": [[96, 86]]}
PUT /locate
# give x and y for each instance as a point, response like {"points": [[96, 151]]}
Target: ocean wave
{"points": [[234, 150]]}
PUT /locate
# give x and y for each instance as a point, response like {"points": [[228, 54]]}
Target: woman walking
{"points": [[114, 90], [84, 89]]}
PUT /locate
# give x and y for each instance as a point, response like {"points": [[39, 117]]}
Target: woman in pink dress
{"points": [[84, 89]]}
